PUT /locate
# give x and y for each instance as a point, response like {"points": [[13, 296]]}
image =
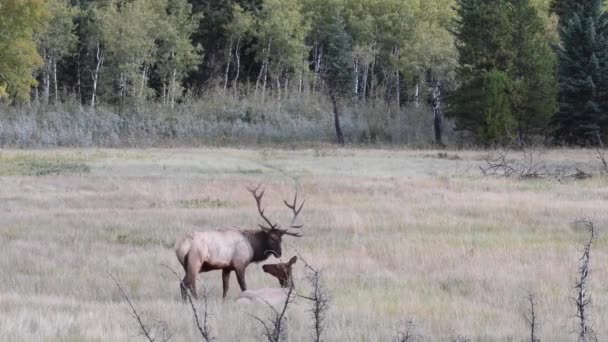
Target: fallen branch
{"points": [[203, 328]]}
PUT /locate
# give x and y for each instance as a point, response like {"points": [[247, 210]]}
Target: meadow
{"points": [[400, 235]]}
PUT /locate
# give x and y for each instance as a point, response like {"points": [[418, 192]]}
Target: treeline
{"points": [[504, 71]]}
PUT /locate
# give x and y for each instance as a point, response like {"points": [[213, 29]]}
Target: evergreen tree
{"points": [[337, 69], [583, 75], [506, 71]]}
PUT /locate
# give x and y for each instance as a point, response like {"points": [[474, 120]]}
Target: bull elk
{"points": [[232, 249], [272, 296]]}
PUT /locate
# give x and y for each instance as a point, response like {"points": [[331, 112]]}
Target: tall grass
{"points": [[212, 119]]}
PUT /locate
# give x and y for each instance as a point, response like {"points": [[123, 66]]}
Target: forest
{"points": [[418, 72]]}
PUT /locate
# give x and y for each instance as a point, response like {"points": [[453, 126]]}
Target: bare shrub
{"points": [[582, 299], [531, 317], [274, 327], [318, 297], [158, 331], [408, 333], [202, 326]]}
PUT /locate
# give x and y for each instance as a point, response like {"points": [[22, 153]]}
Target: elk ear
{"points": [[293, 260]]}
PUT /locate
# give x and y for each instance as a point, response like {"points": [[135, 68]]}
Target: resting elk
{"points": [[272, 296], [232, 249]]}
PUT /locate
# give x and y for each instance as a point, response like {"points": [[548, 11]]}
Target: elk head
{"points": [[281, 271], [272, 233]]}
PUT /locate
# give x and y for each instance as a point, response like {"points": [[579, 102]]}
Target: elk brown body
{"points": [[272, 296], [231, 249]]}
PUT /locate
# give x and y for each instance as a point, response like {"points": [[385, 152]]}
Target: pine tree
{"points": [[506, 70], [583, 75], [337, 69]]}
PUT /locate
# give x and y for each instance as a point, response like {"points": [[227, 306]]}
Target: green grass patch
{"points": [[198, 203], [32, 165], [140, 241]]}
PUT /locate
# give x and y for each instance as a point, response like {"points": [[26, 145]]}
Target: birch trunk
{"points": [[397, 78], [46, 80], [55, 81], [356, 72], [99, 57], [173, 87], [365, 76], [237, 54]]}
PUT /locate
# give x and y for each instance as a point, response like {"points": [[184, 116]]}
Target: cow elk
{"points": [[272, 296], [231, 249]]}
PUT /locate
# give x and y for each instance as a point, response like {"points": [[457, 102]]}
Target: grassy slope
{"points": [[400, 235]]}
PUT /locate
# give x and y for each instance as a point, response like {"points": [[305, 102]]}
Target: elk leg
{"points": [[194, 266], [225, 281], [240, 276]]}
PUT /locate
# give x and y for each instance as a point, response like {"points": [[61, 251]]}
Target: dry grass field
{"points": [[399, 235]]}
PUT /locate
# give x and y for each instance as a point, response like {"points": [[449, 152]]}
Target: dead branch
{"points": [[531, 166], [145, 331], [531, 317], [582, 298], [275, 326], [202, 327], [318, 297]]}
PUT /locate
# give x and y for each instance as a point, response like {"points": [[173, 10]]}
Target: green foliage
{"points": [[57, 37], [19, 21], [496, 106], [337, 46], [29, 165], [583, 74], [281, 32], [502, 47]]}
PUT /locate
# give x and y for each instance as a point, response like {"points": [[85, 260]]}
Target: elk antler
{"points": [[295, 211], [258, 201]]}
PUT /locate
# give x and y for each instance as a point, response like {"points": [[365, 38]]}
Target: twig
{"points": [[319, 298], [531, 316], [582, 299], [138, 316], [203, 328], [274, 327]]}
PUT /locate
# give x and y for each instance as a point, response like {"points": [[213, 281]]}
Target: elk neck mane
{"points": [[259, 244]]}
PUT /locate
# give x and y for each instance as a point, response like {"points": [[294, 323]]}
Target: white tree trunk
{"points": [[46, 79], [397, 78], [173, 87], [55, 81], [356, 72], [237, 54], [365, 76], [99, 57]]}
